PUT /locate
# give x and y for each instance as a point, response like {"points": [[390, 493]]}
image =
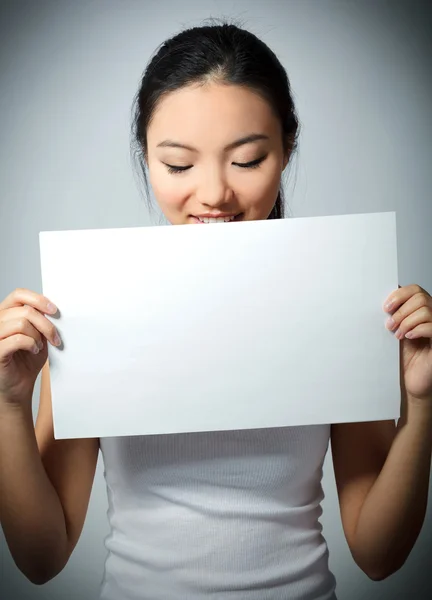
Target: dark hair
{"points": [[224, 53]]}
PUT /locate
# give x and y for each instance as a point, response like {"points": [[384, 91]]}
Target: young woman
{"points": [[231, 514]]}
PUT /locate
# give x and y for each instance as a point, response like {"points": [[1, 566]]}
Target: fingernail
{"points": [[398, 334], [390, 323], [35, 350], [51, 308], [57, 340], [40, 345], [389, 305], [409, 334]]}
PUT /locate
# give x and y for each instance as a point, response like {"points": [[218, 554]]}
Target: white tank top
{"points": [[226, 515]]}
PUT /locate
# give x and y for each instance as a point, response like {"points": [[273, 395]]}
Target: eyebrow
{"points": [[248, 139]]}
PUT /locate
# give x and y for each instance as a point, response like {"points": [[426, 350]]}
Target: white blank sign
{"points": [[222, 326]]}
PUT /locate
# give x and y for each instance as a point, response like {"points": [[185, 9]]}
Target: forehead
{"points": [[224, 112]]}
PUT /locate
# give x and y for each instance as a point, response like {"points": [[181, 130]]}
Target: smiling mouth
{"points": [[209, 220]]}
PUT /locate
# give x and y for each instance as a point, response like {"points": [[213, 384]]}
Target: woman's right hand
{"points": [[24, 333]]}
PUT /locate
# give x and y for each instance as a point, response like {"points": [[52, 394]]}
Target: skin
{"points": [[210, 119], [50, 480]]}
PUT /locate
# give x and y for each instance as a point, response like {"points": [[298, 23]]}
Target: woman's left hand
{"points": [[410, 310]]}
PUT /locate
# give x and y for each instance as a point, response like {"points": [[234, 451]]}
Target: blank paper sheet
{"points": [[223, 326]]}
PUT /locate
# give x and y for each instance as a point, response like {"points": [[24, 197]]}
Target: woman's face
{"points": [[215, 151]]}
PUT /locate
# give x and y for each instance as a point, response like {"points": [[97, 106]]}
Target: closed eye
{"points": [[253, 164], [174, 169]]}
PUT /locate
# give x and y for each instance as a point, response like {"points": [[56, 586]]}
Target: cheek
{"points": [[261, 186], [169, 196], [169, 192]]}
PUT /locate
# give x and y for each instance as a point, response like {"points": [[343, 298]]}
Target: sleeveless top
{"points": [[225, 515]]}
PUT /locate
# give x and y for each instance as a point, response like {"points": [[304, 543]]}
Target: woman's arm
{"points": [[382, 477], [382, 471], [45, 487]]}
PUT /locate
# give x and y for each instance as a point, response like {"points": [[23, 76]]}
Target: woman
{"points": [[231, 514]]}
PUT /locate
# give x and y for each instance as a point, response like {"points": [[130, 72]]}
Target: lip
{"points": [[214, 216], [196, 218]]}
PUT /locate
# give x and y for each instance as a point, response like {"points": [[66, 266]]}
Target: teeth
{"points": [[216, 220]]}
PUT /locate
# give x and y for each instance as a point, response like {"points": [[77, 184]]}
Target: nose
{"points": [[213, 189]]}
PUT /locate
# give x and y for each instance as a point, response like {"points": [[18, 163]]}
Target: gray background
{"points": [[361, 73]]}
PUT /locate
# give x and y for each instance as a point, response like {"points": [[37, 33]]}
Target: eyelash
{"points": [[253, 164]]}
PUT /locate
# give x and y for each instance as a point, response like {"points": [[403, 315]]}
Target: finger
{"points": [[420, 316], [17, 342], [21, 296], [398, 297], [43, 325], [39, 321], [421, 331], [414, 303], [23, 326]]}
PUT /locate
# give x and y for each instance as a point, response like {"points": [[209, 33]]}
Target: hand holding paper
{"points": [[410, 318], [24, 334]]}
